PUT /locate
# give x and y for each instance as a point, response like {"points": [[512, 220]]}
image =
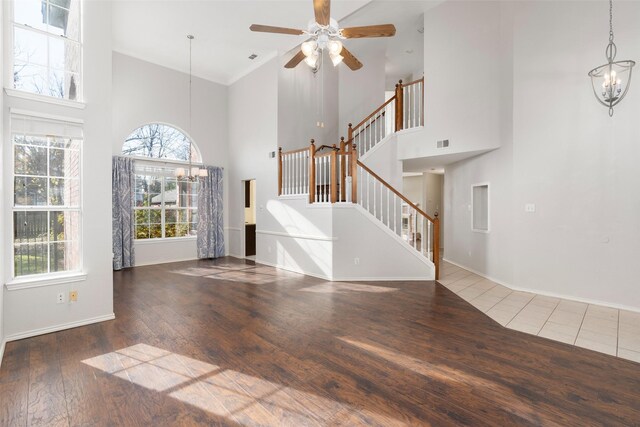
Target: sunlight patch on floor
{"points": [[224, 392]]}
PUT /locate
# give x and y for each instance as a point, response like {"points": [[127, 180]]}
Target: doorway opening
{"points": [[249, 218]]}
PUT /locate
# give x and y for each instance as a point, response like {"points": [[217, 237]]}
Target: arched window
{"points": [[160, 141], [165, 206]]}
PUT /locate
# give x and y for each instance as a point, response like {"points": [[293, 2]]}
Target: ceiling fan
{"points": [[325, 33]]}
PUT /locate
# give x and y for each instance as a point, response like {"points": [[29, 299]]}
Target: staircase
{"points": [[335, 174]]}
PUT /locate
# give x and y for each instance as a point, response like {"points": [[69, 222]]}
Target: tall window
{"points": [[47, 48], [164, 206], [46, 207]]}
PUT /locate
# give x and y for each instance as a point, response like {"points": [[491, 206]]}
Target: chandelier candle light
{"points": [[611, 81], [194, 171]]}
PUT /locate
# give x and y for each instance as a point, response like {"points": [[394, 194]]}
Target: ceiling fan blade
{"points": [[385, 30], [293, 62], [351, 61], [279, 30], [322, 9]]}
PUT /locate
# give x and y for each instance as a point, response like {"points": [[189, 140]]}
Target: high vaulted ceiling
{"points": [[156, 31]]}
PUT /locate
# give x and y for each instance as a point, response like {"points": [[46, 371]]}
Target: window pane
{"points": [[64, 163], [30, 259], [64, 256], [171, 216], [64, 225], [142, 216], [170, 230], [30, 160], [30, 47], [142, 231], [30, 12], [30, 78], [30, 191], [155, 231], [159, 141], [155, 216], [56, 191], [182, 230], [30, 227], [64, 55]]}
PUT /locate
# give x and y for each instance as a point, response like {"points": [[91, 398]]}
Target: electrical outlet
{"points": [[73, 296], [60, 299], [356, 261]]}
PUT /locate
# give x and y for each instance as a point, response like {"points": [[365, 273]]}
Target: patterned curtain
{"points": [[210, 224], [122, 180]]}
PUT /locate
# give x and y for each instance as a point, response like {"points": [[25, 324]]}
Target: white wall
{"points": [[413, 189], [564, 154], [463, 79], [254, 96], [304, 99], [95, 294], [2, 190], [144, 93], [361, 91]]}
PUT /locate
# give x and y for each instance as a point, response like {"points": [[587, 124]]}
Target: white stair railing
{"points": [[398, 214]]}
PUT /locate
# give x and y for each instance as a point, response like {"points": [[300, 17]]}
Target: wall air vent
{"points": [[442, 143], [253, 56]]}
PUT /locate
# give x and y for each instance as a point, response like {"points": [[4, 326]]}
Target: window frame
{"points": [[166, 165], [42, 279], [9, 57]]}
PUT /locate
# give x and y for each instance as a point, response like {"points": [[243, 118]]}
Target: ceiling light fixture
{"points": [[611, 81], [194, 171], [323, 37]]}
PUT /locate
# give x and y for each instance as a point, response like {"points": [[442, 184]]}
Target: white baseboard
{"points": [[293, 270], [60, 327], [2, 346], [144, 264], [546, 293]]}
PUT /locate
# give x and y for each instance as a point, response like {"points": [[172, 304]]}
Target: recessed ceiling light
{"points": [[253, 56]]}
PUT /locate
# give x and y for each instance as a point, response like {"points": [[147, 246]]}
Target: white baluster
{"points": [[388, 207], [422, 234]]}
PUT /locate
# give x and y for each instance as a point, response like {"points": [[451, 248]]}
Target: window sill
{"points": [[27, 283], [43, 98], [165, 240]]}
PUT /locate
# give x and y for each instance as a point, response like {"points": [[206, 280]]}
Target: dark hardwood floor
{"points": [[226, 342]]}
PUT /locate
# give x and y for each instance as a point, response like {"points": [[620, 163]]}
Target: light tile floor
{"points": [[604, 329]]}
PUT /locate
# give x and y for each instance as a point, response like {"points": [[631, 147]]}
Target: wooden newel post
{"points": [[312, 172], [399, 106], [350, 134], [334, 175], [343, 170], [436, 244], [354, 174], [279, 171]]}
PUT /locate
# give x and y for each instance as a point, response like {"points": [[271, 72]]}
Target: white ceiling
{"points": [[156, 30]]}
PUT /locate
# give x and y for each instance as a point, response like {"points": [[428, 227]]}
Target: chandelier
{"points": [[194, 172], [611, 81], [323, 37]]}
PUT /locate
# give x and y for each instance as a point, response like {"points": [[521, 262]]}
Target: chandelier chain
{"points": [[611, 21]]}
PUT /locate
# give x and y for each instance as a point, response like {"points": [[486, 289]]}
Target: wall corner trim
{"points": [[2, 346]]}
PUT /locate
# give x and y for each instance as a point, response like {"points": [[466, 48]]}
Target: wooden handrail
{"points": [[396, 192], [359, 131], [413, 82], [374, 113]]}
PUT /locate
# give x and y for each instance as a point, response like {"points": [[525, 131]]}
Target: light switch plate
{"points": [[530, 207]]}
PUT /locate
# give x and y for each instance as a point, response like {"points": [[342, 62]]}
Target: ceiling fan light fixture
{"points": [[336, 59], [335, 47], [312, 60], [309, 47]]}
